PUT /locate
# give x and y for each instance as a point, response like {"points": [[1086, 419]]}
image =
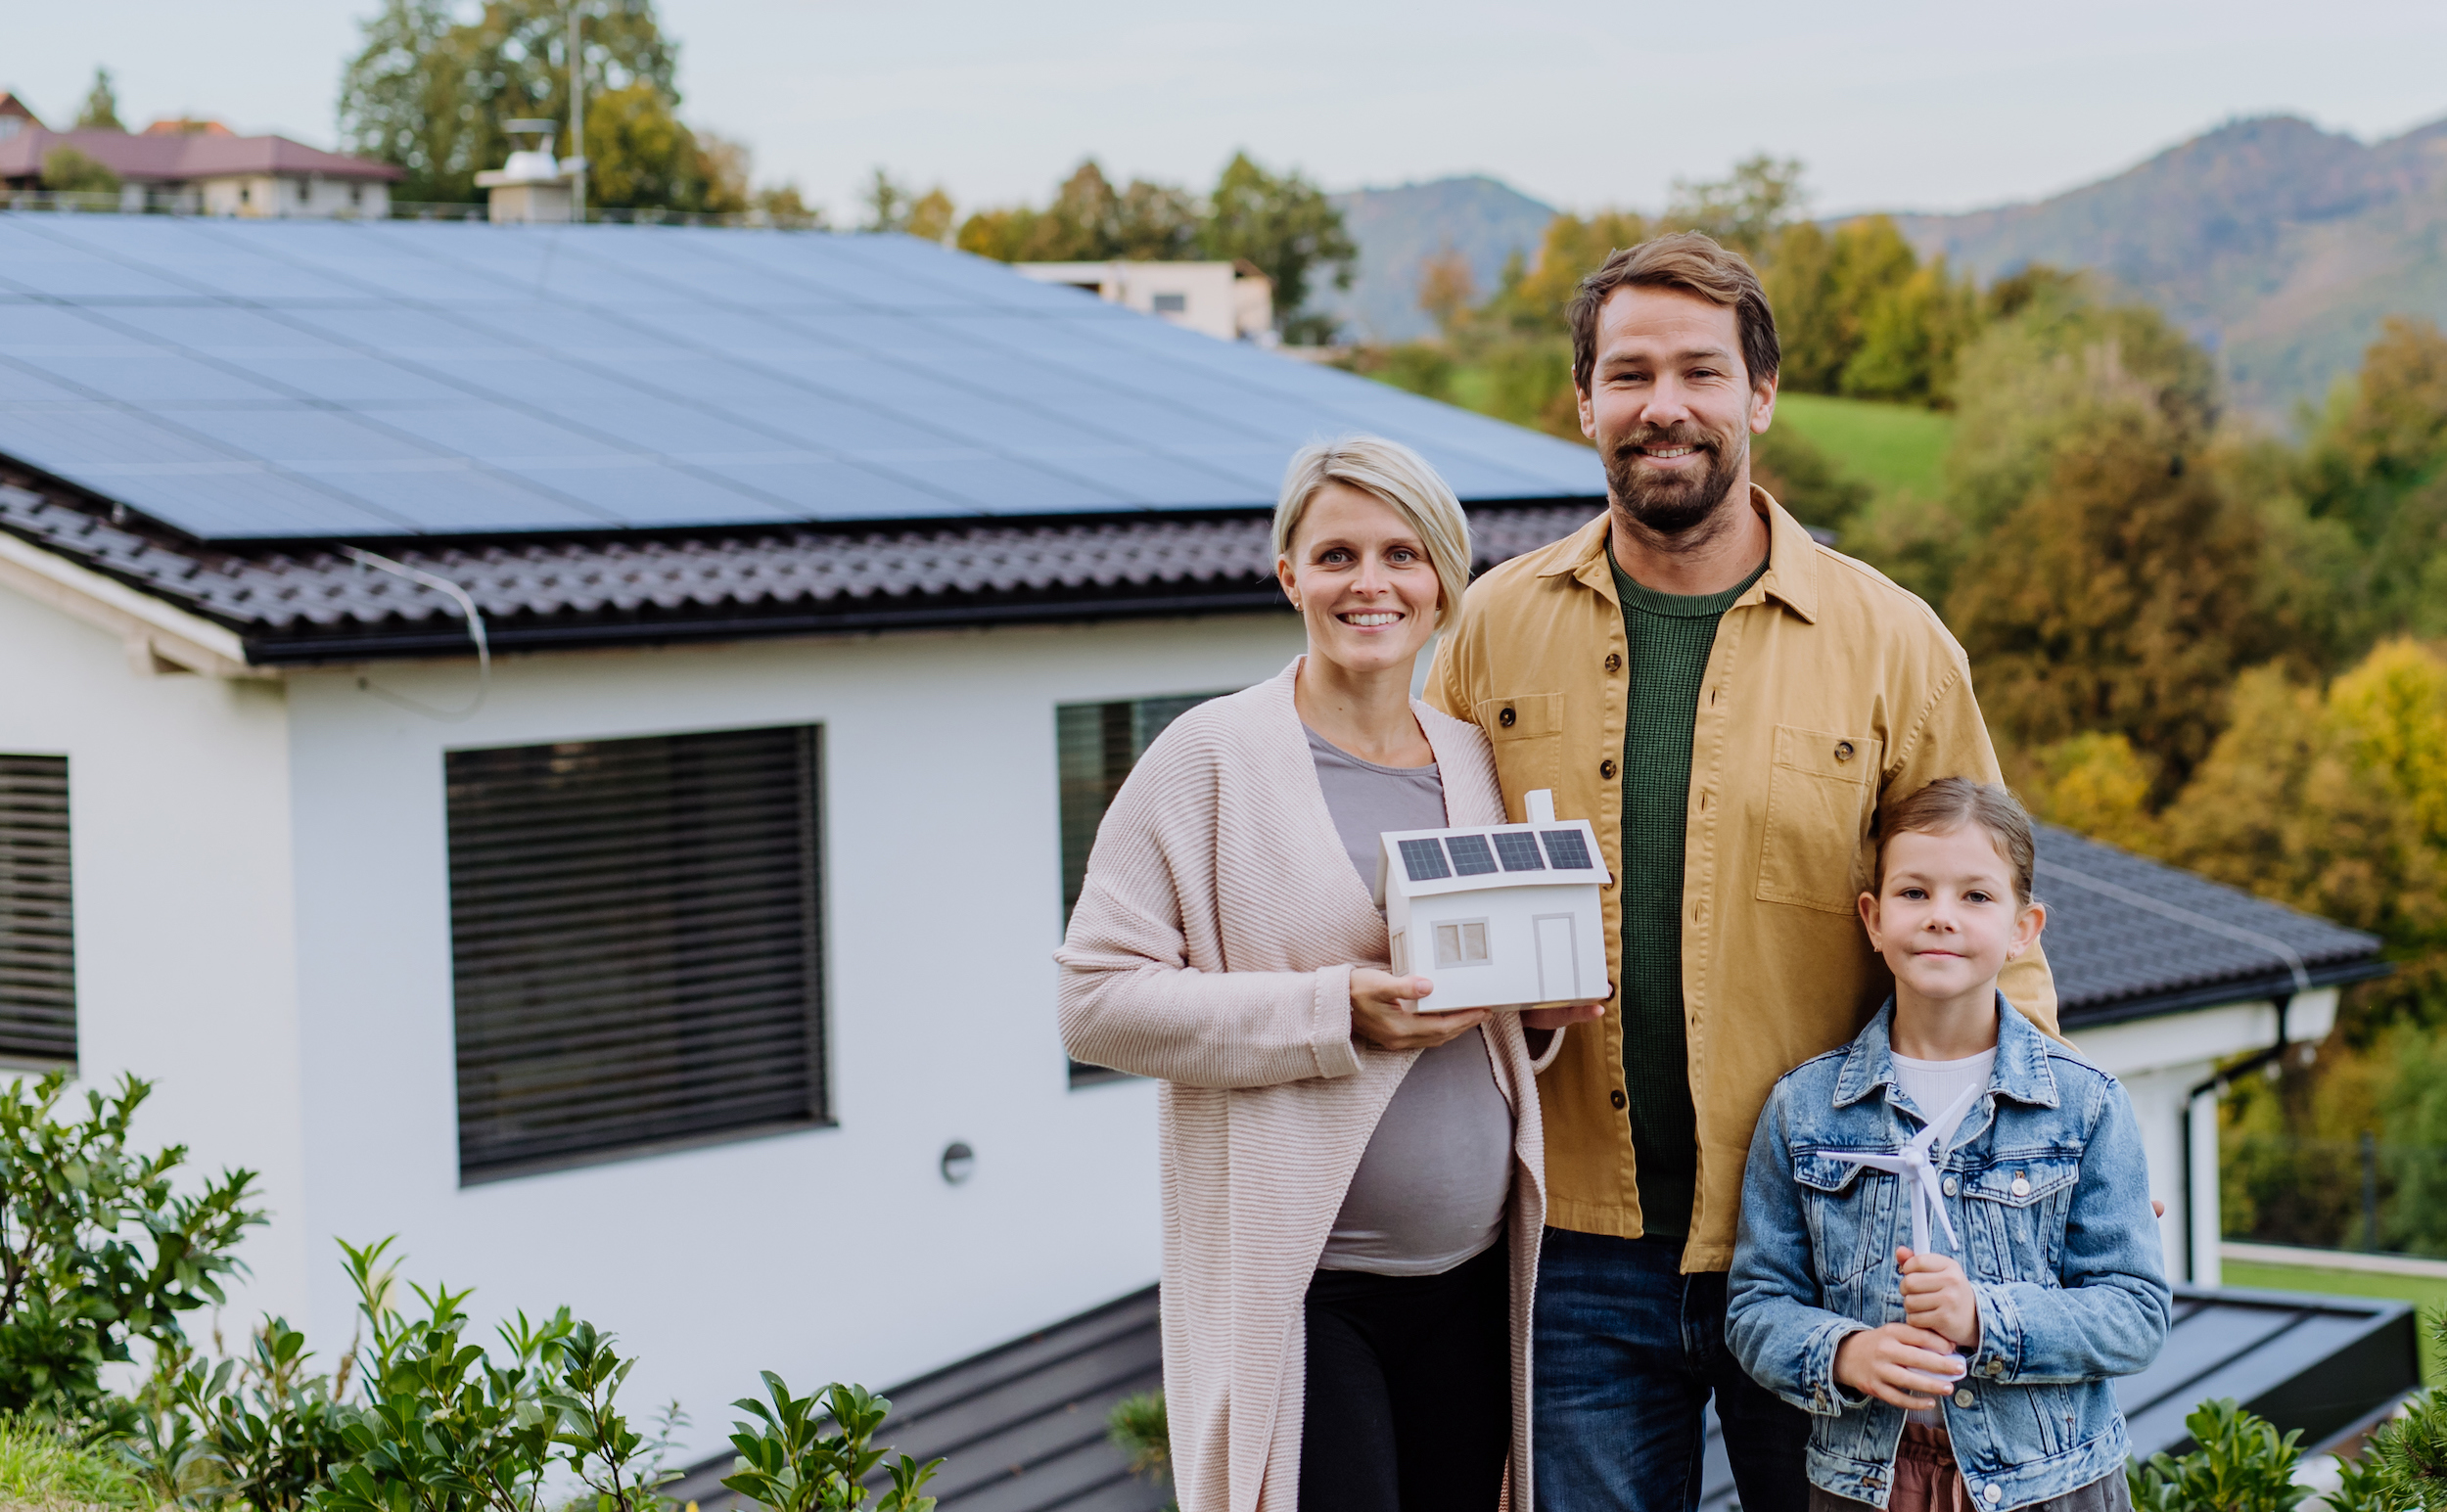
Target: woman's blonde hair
{"points": [[1399, 476]]}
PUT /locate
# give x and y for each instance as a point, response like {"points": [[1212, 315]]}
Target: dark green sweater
{"points": [[1670, 638]]}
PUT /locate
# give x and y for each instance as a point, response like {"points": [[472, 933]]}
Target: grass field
{"points": [[1894, 448], [2429, 1293]]}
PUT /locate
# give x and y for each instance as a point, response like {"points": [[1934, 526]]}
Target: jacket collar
{"points": [[2021, 1071], [1791, 578]]}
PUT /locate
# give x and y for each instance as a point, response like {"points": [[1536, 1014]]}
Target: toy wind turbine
{"points": [[1919, 1172]]}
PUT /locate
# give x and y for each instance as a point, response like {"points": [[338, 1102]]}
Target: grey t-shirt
{"points": [[1430, 1190]]}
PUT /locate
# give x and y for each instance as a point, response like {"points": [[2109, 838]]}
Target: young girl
{"points": [[1947, 1247]]}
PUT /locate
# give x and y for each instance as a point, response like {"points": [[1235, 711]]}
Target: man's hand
{"points": [[1937, 1296], [1898, 1364], [1568, 1013], [1381, 1014]]}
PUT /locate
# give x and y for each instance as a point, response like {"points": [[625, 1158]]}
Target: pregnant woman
{"points": [[1352, 1190]]}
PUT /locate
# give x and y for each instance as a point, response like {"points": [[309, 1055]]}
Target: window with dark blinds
{"points": [[1097, 745], [636, 938], [37, 947]]}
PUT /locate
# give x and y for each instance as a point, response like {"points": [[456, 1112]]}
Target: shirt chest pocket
{"points": [[1822, 787], [2015, 1210], [1526, 732], [1845, 1213]]}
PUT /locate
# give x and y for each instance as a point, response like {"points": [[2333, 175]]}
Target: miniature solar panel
{"points": [[1423, 860], [1564, 847], [1470, 855], [279, 380], [1519, 850]]}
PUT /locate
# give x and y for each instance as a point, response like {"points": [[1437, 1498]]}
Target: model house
{"points": [[1506, 916], [495, 712]]}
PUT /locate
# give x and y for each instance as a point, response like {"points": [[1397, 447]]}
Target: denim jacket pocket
{"points": [[1844, 1212], [2015, 1207]]}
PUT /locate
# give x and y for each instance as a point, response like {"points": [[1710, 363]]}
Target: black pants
{"points": [[1409, 1396]]}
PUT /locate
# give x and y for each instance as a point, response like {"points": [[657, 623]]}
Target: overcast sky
{"points": [[1891, 104]]}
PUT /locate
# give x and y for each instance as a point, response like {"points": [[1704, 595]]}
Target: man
{"points": [[1732, 705]]}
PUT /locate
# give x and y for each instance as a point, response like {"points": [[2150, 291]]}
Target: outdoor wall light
{"points": [[959, 1163]]}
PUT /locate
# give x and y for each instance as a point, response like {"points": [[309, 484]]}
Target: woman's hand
{"points": [[1898, 1364], [1381, 1014]]}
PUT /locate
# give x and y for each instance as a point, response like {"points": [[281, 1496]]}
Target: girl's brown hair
{"points": [[1950, 803]]}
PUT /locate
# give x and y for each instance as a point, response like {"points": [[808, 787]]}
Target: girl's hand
{"points": [[1937, 1296], [1381, 1014], [1898, 1364]]}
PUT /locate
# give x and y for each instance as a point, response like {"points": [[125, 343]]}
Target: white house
{"points": [[202, 167], [1231, 301], [1503, 916], [573, 745]]}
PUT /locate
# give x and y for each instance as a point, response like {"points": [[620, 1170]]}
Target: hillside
{"points": [[2280, 245], [1398, 230]]}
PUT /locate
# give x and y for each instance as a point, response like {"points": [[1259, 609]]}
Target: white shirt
{"points": [[1932, 1087]]}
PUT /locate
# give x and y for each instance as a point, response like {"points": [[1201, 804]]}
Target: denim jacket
{"points": [[2049, 1197]]}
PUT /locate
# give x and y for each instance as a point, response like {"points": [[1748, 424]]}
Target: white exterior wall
{"points": [[266, 195], [2159, 1061], [178, 823], [826, 1254], [1213, 298]]}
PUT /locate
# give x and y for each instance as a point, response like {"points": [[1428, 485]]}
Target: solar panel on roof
{"points": [[1519, 850], [1566, 850], [915, 379], [1423, 860], [1470, 855]]}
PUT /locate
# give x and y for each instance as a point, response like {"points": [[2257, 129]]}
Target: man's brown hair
{"points": [[1950, 803], [1689, 261]]}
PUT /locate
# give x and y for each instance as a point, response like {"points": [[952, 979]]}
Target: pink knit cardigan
{"points": [[1211, 948]]}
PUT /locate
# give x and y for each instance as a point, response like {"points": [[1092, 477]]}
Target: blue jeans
{"points": [[1629, 1351]]}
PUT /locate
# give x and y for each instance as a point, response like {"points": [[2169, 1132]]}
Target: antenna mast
{"points": [[577, 122]]}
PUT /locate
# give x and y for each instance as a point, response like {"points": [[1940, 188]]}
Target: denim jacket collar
{"points": [[2020, 1073]]}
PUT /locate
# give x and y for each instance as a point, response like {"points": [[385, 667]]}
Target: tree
{"points": [[427, 93], [638, 155], [1286, 226], [2119, 597], [1744, 210], [66, 170], [1572, 248], [1859, 314], [101, 110], [2377, 470], [1088, 221]]}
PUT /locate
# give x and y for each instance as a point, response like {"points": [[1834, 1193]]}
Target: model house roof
{"points": [[1428, 863], [305, 381], [2129, 936], [182, 156]]}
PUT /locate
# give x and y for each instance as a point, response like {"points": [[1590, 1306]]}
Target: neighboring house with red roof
{"points": [[199, 167]]}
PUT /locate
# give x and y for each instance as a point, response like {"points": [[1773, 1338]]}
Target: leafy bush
{"points": [[43, 1466], [2240, 1465], [2404, 1465], [790, 1462], [97, 1249], [1141, 1430]]}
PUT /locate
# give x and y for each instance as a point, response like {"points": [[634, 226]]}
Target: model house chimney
{"points": [[1539, 806], [531, 186]]}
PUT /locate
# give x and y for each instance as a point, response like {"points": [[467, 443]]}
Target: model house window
{"points": [[638, 944], [1462, 945], [37, 947], [1172, 303], [1096, 746]]}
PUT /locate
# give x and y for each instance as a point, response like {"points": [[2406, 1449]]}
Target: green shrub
{"points": [[97, 1249], [2240, 1465], [2404, 1464], [790, 1462], [1140, 1429]]}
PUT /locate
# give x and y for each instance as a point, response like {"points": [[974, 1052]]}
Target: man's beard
{"points": [[1672, 503]]}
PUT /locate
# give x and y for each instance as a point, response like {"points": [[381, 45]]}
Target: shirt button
{"points": [[1963, 1397], [1606, 769], [1615, 1098], [1953, 1186], [1843, 751], [2021, 1187], [1614, 663], [1506, 718], [1993, 1496]]}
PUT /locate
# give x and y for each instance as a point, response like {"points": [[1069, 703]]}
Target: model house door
{"points": [[1558, 963]]}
